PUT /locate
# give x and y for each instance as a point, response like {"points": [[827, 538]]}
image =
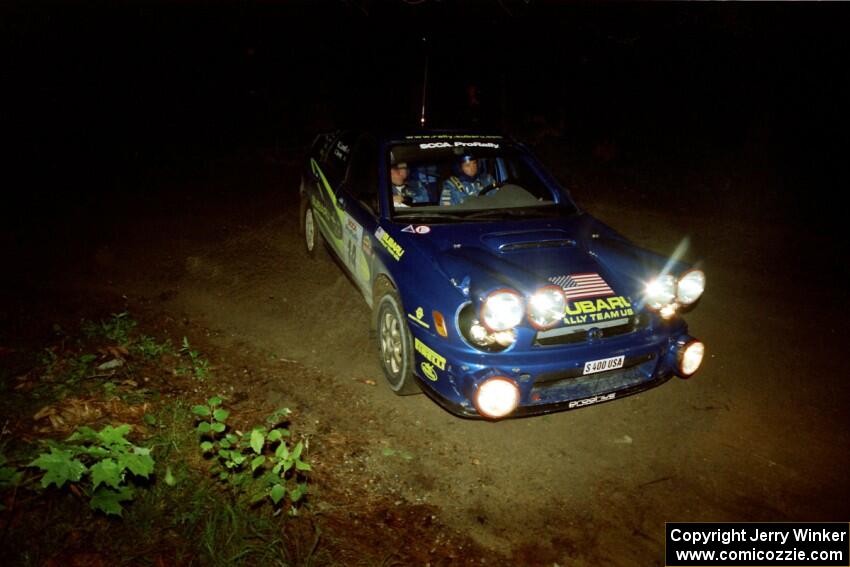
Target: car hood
{"points": [[480, 257]]}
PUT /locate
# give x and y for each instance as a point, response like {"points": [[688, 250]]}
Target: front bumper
{"points": [[551, 379]]}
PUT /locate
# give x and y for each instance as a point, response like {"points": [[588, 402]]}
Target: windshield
{"points": [[468, 179]]}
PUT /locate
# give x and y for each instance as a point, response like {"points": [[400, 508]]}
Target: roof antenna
{"points": [[424, 87]]}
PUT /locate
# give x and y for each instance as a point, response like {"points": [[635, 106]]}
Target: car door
{"points": [[329, 172], [358, 203]]}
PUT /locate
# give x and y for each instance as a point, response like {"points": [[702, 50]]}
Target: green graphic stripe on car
{"points": [[329, 231], [318, 171]]}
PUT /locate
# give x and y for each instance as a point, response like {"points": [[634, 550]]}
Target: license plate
{"points": [[603, 364]]}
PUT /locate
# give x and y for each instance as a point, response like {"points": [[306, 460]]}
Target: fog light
{"points": [[690, 358], [505, 338], [496, 397], [484, 338], [478, 334], [668, 311]]}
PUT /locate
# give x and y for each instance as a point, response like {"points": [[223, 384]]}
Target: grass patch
{"points": [[115, 494]]}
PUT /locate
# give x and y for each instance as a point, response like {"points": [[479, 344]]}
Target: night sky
{"points": [[93, 91]]}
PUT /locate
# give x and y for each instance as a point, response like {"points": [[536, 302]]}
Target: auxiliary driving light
{"points": [[690, 288], [502, 310], [546, 307], [690, 357], [481, 337], [667, 311], [496, 397]]}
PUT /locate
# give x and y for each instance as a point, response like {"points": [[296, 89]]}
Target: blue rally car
{"points": [[491, 290]]}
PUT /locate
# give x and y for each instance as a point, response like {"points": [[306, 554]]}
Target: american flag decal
{"points": [[577, 286]]}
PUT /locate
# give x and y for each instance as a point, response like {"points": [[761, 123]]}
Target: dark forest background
{"points": [[94, 93]]}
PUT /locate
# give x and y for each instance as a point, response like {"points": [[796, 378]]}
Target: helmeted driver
{"points": [[469, 182], [405, 192]]}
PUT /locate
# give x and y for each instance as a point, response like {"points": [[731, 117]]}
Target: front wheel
{"points": [[396, 346]]}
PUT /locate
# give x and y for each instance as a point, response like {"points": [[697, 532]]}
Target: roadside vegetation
{"points": [[139, 437], [119, 448]]}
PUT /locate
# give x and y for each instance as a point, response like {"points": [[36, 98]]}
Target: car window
{"points": [[466, 177], [362, 178], [337, 156]]}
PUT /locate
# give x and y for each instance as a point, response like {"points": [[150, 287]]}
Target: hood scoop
{"points": [[540, 244], [507, 242]]}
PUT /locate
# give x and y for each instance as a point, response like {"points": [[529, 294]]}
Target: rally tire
{"points": [[395, 346]]}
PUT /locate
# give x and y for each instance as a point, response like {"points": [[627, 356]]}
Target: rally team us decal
{"points": [[590, 299]]}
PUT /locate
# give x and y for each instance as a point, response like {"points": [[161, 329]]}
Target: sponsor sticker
{"points": [[421, 229], [591, 401], [429, 354], [428, 371], [589, 299], [457, 144], [388, 242], [596, 310], [418, 317]]}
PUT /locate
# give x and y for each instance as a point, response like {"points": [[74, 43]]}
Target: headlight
{"points": [[546, 307], [690, 358], [502, 310], [690, 288], [660, 292], [496, 397]]}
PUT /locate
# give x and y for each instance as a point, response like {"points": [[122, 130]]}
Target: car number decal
{"points": [[603, 364], [366, 244], [351, 238]]}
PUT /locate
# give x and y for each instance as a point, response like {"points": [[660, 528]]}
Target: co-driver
{"points": [[406, 192]]}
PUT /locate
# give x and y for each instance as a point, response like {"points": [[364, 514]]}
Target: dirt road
{"points": [[760, 433]]}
